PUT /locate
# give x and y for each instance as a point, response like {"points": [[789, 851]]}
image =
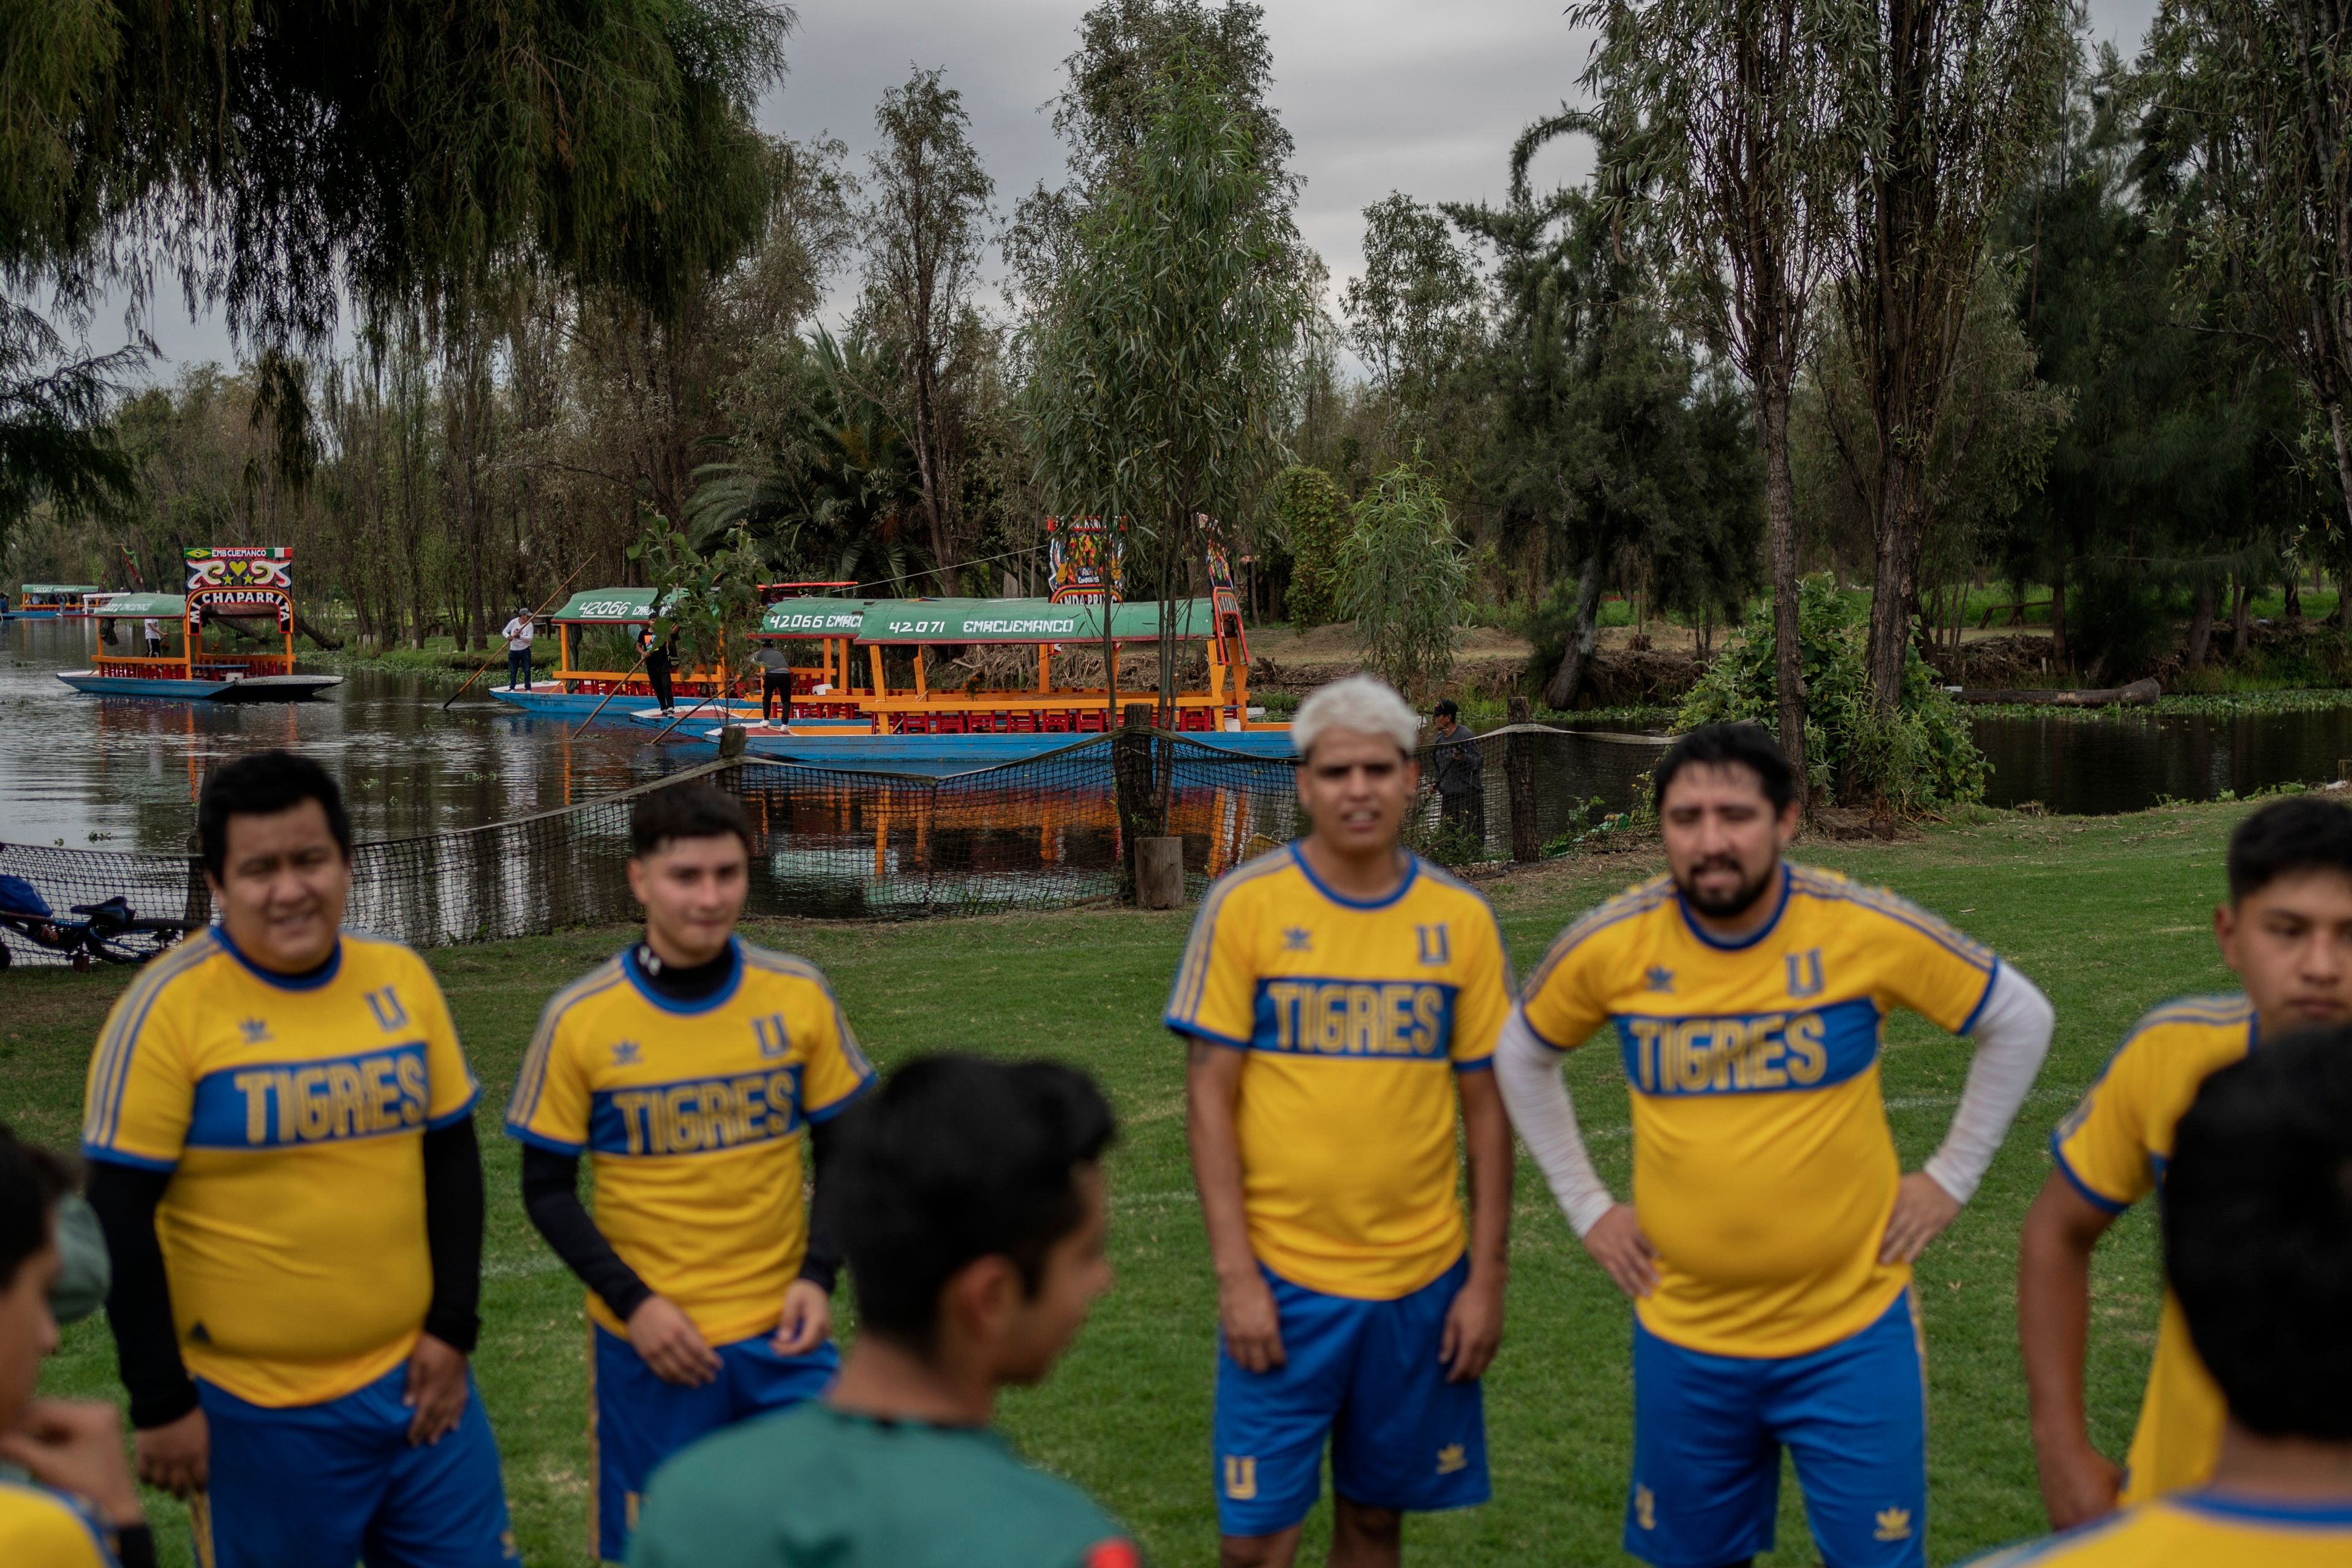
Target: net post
{"points": [[1519, 776]]}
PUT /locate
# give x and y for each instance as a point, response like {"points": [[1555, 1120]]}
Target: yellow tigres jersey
{"points": [[1763, 1168], [691, 1117], [1354, 1018], [2113, 1147], [38, 1529], [291, 1116], [2198, 1529]]}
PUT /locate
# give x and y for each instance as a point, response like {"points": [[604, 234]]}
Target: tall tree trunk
{"points": [[2058, 615], [1577, 657], [2241, 616], [1890, 596], [2201, 625], [1780, 515]]}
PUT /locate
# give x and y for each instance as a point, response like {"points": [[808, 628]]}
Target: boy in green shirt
{"points": [[971, 1208]]}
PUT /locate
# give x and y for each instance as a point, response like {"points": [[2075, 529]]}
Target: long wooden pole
{"points": [[614, 693], [534, 616]]}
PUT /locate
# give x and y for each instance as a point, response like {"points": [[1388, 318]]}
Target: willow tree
{"points": [[1166, 356], [1722, 114], [282, 156], [1943, 108]]}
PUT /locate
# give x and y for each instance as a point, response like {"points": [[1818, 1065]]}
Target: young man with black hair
{"points": [[1339, 1001], [2286, 931], [687, 1070], [279, 1122], [83, 1511], [969, 1200], [1769, 1244], [2257, 1217]]}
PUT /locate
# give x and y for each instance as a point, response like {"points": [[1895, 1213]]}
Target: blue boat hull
{"points": [[939, 755], [252, 688], [29, 615], [549, 700]]}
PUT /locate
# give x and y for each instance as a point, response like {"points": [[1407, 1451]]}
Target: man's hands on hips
{"points": [[177, 1456], [667, 1342], [1922, 1209], [1253, 1328], [1617, 1244], [1474, 1329], [436, 1389], [806, 1318]]}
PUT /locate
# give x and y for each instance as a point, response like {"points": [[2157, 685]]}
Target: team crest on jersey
{"points": [[774, 1041], [1435, 947], [1894, 1524], [384, 1003], [627, 1053], [1658, 978], [1297, 939], [255, 1030], [1241, 1477], [1805, 972]]}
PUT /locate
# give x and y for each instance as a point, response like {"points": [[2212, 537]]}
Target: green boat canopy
{"points": [[64, 588], [613, 606], [142, 605], [1022, 621], [812, 618]]}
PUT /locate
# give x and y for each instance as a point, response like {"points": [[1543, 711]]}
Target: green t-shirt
{"points": [[814, 1486]]}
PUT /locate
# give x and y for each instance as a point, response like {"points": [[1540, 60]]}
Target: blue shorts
{"points": [[1365, 1375], [1708, 1435], [324, 1485], [639, 1420]]}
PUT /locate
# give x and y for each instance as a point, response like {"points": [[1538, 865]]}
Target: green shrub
{"points": [[1920, 758]]}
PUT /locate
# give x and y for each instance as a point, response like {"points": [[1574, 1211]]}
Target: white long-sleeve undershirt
{"points": [[2011, 1030]]}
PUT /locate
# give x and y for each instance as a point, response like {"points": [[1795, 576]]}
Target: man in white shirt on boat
{"points": [[518, 635]]}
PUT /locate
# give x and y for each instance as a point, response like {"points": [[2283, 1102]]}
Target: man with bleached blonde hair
{"points": [[1340, 997]]}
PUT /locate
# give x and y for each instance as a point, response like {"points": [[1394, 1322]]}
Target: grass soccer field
{"points": [[2108, 915]]}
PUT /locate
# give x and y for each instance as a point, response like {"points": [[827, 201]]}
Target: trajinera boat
{"points": [[50, 601], [865, 690], [233, 583]]}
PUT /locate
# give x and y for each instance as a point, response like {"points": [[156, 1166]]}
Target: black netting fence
{"points": [[1045, 833]]}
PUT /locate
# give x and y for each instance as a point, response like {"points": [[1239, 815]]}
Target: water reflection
{"points": [[2093, 767], [122, 773]]}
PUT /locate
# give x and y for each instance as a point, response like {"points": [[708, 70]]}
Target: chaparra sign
{"points": [[240, 567]]}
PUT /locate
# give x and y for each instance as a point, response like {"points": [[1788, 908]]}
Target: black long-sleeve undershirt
{"points": [[139, 1304], [551, 1196]]}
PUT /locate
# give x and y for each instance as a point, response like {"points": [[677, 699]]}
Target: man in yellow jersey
{"points": [[1338, 996], [1769, 1242], [687, 1070], [81, 1509], [2287, 931], [280, 1123], [2257, 1217]]}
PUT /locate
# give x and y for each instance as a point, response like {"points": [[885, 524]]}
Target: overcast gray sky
{"points": [[1379, 95]]}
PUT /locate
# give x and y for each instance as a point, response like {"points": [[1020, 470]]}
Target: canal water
{"points": [[94, 773], [119, 774]]}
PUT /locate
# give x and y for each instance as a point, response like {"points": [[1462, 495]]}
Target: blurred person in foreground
{"points": [[81, 1508], [2257, 1218], [970, 1198]]}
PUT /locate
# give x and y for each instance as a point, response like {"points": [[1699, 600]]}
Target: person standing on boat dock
{"points": [[518, 633]]}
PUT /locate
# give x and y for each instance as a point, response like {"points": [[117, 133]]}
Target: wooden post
{"points": [[1160, 873], [1519, 776], [1131, 781]]}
